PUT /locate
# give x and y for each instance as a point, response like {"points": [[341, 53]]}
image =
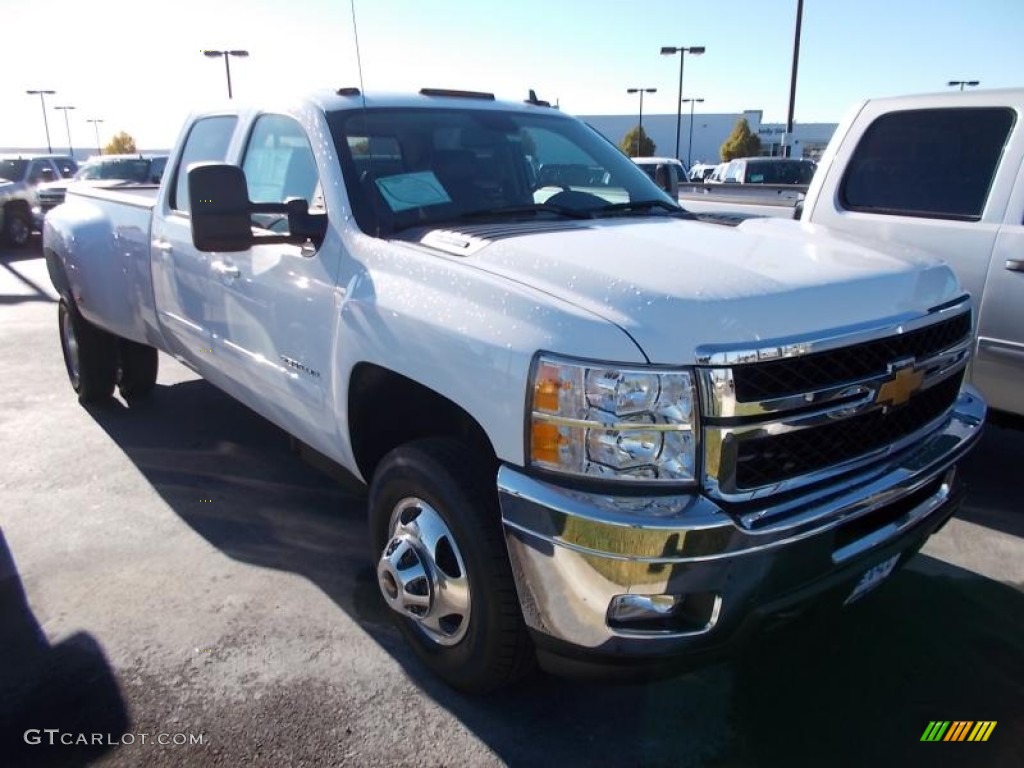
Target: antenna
{"points": [[362, 95], [359, 58]]}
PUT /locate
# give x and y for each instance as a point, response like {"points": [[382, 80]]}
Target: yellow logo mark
{"points": [[897, 391]]}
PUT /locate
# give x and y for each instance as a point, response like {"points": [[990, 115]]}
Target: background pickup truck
{"points": [[945, 173], [597, 433], [20, 177], [752, 186]]}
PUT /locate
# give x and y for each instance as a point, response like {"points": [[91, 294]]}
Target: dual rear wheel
{"points": [[98, 361]]}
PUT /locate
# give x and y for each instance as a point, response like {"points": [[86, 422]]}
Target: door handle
{"points": [[163, 246], [1015, 265], [226, 270]]}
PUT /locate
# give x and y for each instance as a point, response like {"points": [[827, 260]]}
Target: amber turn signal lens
{"points": [[545, 441], [545, 391]]}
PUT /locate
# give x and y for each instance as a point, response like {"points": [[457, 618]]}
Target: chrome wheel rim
{"points": [[422, 575], [70, 348]]}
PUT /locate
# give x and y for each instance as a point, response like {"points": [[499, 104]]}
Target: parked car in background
{"points": [[20, 176], [666, 172], [701, 171], [942, 172], [717, 174], [100, 171], [769, 170]]}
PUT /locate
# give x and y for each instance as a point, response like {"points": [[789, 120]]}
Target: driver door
{"points": [[274, 316]]}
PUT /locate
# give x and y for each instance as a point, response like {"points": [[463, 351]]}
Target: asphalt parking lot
{"points": [[172, 573]]}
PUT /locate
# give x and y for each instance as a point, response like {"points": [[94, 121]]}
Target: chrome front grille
{"points": [[51, 199], [785, 416]]}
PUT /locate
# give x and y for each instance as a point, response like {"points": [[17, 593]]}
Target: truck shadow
{"points": [[69, 686], [851, 688]]}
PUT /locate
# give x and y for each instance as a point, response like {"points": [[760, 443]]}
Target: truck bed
{"points": [[112, 232]]}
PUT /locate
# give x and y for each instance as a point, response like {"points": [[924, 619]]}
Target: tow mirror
{"points": [[220, 207], [222, 212]]}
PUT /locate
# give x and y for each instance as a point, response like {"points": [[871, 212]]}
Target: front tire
{"points": [[90, 355], [17, 228], [442, 565]]}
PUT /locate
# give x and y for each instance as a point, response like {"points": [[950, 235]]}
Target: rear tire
{"points": [[139, 364], [461, 549], [90, 355]]}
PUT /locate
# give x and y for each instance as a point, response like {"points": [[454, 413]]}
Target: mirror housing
{"points": [[220, 207], [222, 212]]}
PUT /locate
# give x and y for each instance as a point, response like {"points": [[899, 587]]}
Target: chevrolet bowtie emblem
{"points": [[906, 380]]}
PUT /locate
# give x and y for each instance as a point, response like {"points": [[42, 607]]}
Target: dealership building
{"points": [[711, 130]]}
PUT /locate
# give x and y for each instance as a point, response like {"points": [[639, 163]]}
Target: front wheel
{"points": [[17, 228], [90, 355], [442, 566]]}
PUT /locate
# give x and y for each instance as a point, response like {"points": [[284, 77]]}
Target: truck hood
{"points": [[676, 285]]}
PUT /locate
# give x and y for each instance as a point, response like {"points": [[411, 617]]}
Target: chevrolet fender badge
{"points": [[905, 381]]}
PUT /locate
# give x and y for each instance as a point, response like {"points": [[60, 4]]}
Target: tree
{"points": [[741, 142], [121, 144], [636, 143]]}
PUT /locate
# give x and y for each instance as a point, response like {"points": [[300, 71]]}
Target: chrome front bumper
{"points": [[576, 554]]}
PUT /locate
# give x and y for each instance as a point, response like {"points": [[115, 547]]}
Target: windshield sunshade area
{"points": [[423, 167]]}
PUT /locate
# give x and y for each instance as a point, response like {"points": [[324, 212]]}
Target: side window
{"points": [[207, 141], [279, 163], [933, 163]]}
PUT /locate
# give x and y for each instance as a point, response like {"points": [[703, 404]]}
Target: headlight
{"points": [[632, 424]]}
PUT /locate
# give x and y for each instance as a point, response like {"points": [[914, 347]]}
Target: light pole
{"points": [[689, 144], [46, 124], [962, 83], [96, 124], [227, 66], [67, 124], [669, 50], [641, 91]]}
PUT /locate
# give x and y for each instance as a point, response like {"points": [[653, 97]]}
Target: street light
{"points": [[689, 144], [96, 124], [669, 50], [962, 83], [227, 66], [641, 91], [46, 124], [67, 125]]}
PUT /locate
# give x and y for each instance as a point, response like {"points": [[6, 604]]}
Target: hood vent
{"points": [[468, 239]]}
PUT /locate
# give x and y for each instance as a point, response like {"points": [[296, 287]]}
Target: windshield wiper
{"points": [[510, 211], [644, 206]]}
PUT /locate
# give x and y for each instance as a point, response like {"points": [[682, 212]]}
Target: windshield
{"points": [[127, 169], [13, 170], [408, 167]]}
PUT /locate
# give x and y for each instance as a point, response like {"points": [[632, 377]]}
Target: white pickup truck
{"points": [[597, 433], [943, 172]]}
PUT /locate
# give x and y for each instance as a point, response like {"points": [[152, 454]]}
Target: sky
{"points": [[137, 64]]}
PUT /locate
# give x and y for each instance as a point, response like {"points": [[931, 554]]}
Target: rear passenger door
{"points": [[999, 365], [181, 274]]}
